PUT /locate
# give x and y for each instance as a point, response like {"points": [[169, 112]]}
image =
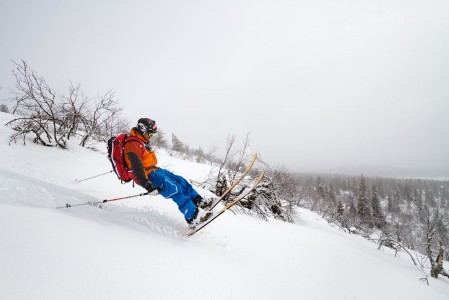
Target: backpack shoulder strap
{"points": [[129, 138]]}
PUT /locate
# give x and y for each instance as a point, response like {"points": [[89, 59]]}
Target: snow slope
{"points": [[133, 249]]}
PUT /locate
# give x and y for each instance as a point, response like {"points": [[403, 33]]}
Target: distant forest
{"points": [[411, 213]]}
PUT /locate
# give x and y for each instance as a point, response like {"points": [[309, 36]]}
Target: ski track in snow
{"points": [[16, 189]]}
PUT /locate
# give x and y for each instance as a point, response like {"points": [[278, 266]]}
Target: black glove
{"points": [[153, 191]]}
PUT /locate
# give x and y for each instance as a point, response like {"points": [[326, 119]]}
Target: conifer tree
{"points": [[331, 198], [4, 108], [378, 216], [321, 191], [159, 140], [352, 212], [177, 144], [363, 205], [340, 210]]}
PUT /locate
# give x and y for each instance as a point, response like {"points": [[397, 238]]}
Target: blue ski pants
{"points": [[177, 188]]}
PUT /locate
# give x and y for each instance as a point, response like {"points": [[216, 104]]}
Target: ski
{"points": [[194, 230], [234, 184]]}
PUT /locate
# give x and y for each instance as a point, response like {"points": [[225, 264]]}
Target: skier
{"points": [[161, 181]]}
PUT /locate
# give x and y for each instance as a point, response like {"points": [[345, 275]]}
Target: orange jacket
{"points": [[141, 161]]}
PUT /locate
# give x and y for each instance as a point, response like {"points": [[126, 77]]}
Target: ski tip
{"points": [[188, 233], [254, 157]]}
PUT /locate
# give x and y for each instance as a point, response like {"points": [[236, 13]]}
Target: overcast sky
{"points": [[317, 84]]}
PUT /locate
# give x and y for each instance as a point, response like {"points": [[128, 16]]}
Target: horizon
{"points": [[423, 172]]}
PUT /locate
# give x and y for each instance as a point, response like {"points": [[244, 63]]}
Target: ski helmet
{"points": [[145, 125]]}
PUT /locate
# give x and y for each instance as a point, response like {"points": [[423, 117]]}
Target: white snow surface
{"points": [[134, 249]]}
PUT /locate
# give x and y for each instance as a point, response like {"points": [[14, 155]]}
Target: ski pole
{"points": [[76, 180], [68, 205], [123, 198]]}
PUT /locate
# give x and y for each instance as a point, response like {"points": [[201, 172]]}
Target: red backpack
{"points": [[116, 155]]}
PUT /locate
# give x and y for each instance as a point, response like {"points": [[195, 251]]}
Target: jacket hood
{"points": [[134, 132]]}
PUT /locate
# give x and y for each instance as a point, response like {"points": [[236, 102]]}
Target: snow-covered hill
{"points": [[133, 249]]}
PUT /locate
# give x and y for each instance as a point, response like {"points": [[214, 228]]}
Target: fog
{"points": [[318, 85]]}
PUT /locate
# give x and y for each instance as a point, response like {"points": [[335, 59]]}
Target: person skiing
{"points": [[157, 180]]}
